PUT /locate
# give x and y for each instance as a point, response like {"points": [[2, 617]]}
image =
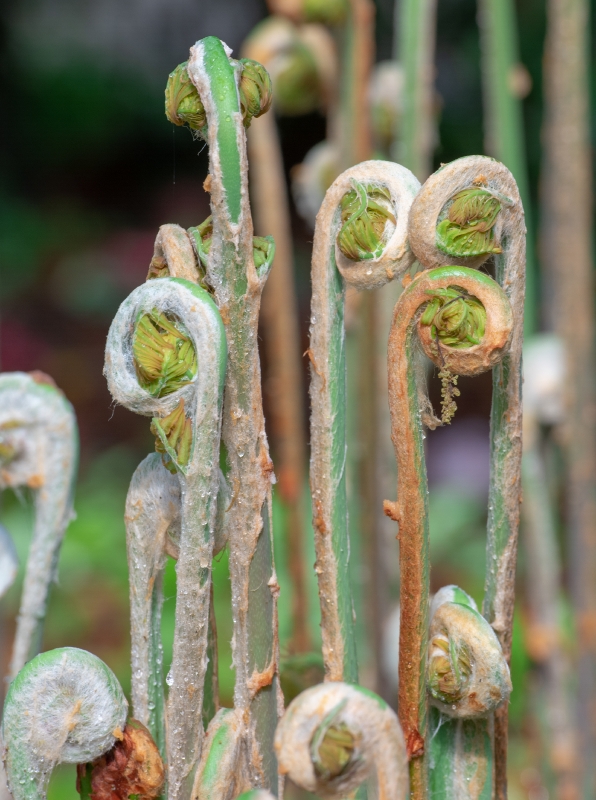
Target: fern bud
{"points": [[183, 104], [255, 90], [365, 213], [468, 228]]}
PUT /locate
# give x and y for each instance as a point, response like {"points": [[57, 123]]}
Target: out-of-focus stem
{"points": [[40, 448], [504, 128], [415, 49], [357, 56], [566, 251], [543, 594], [281, 334]]}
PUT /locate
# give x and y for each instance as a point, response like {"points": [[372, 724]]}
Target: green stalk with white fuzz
{"points": [[190, 446], [332, 270], [39, 449], [237, 284], [64, 707]]}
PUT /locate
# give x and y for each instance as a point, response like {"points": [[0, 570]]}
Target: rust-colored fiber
{"points": [[132, 767]]}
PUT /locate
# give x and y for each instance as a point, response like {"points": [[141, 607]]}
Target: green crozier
{"points": [[456, 319], [183, 104], [332, 745], [468, 228], [255, 90], [164, 356], [202, 236], [365, 211]]}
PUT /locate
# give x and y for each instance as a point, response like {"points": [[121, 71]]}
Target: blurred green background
{"points": [[89, 168]]}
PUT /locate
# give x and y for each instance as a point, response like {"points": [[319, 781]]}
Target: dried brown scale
{"points": [[132, 767]]}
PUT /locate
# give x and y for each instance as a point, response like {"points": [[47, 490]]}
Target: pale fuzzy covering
{"points": [[65, 706], [39, 423], [380, 748], [489, 683], [199, 487], [152, 511]]}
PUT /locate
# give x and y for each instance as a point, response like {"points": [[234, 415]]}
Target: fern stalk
{"points": [[237, 285], [504, 127], [566, 249]]}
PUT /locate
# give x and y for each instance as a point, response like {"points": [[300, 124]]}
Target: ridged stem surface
{"points": [[238, 286], [328, 397]]}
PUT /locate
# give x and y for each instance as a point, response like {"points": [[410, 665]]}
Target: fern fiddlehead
{"points": [[334, 736], [64, 706], [39, 450], [411, 511], [237, 282], [364, 212], [468, 679], [165, 358], [431, 205]]}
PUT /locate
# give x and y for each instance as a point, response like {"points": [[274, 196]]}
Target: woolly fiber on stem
{"points": [[505, 482], [331, 270]]}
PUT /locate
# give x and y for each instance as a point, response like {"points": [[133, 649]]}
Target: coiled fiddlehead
{"points": [[410, 326], [468, 678], [467, 674], [334, 736], [237, 284], [474, 172], [331, 271], [192, 449], [39, 450], [65, 706]]}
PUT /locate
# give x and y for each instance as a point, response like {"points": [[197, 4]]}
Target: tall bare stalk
{"points": [[503, 84], [566, 252], [544, 391]]}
